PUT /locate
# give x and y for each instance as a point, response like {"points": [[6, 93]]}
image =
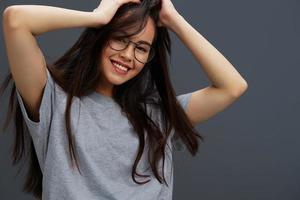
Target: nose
{"points": [[128, 52]]}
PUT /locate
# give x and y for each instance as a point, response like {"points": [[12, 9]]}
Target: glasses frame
{"points": [[135, 45]]}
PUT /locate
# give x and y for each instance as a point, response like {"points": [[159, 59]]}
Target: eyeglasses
{"points": [[143, 53]]}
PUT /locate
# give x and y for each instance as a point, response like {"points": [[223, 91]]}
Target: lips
{"points": [[120, 63], [118, 70]]}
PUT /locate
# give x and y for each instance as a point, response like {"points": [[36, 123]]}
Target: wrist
{"points": [[174, 20], [98, 18]]}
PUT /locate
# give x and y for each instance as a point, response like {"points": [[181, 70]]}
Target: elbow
{"points": [[10, 17], [240, 89]]}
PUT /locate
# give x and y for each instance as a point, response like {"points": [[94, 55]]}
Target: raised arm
{"points": [[21, 23], [227, 85]]}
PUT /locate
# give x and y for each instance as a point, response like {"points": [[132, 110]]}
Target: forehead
{"points": [[147, 34]]}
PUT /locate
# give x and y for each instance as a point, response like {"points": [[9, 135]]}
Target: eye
{"points": [[142, 49], [122, 40]]}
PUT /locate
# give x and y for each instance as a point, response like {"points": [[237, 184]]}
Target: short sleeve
{"points": [[39, 130], [183, 99]]}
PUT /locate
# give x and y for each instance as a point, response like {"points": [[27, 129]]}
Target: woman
{"points": [[107, 106]]}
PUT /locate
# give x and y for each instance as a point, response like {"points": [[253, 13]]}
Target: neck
{"points": [[105, 89]]}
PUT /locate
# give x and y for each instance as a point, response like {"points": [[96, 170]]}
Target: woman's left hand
{"points": [[167, 11]]}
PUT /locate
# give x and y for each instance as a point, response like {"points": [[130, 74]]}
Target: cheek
{"points": [[138, 67], [105, 57], [107, 53]]}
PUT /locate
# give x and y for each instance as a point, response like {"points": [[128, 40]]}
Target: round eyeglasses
{"points": [[143, 52]]}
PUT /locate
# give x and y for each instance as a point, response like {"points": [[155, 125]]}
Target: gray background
{"points": [[252, 147]]}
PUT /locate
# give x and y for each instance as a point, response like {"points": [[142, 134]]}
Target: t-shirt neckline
{"points": [[98, 97]]}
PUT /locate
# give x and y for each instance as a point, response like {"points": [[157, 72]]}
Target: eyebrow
{"points": [[141, 41], [144, 42]]}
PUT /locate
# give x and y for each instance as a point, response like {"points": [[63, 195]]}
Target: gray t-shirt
{"points": [[105, 144]]}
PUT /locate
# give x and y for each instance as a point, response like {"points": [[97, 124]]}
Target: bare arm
{"points": [[227, 84], [21, 23], [39, 19], [217, 68]]}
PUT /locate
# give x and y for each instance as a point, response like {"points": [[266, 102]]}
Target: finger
{"points": [[137, 1]]}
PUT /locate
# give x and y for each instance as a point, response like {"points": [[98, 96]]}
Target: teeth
{"points": [[120, 66]]}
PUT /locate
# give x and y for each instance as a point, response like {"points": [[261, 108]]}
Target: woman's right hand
{"points": [[107, 9]]}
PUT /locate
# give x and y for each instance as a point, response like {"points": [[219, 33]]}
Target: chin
{"points": [[115, 80]]}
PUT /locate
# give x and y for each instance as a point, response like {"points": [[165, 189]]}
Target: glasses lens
{"points": [[118, 44], [143, 52]]}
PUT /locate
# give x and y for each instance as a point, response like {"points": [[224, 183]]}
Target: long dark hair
{"points": [[77, 73]]}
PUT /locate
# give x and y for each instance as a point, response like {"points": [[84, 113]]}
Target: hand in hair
{"points": [[167, 11], [108, 8]]}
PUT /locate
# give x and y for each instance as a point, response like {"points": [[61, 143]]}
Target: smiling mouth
{"points": [[119, 68]]}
